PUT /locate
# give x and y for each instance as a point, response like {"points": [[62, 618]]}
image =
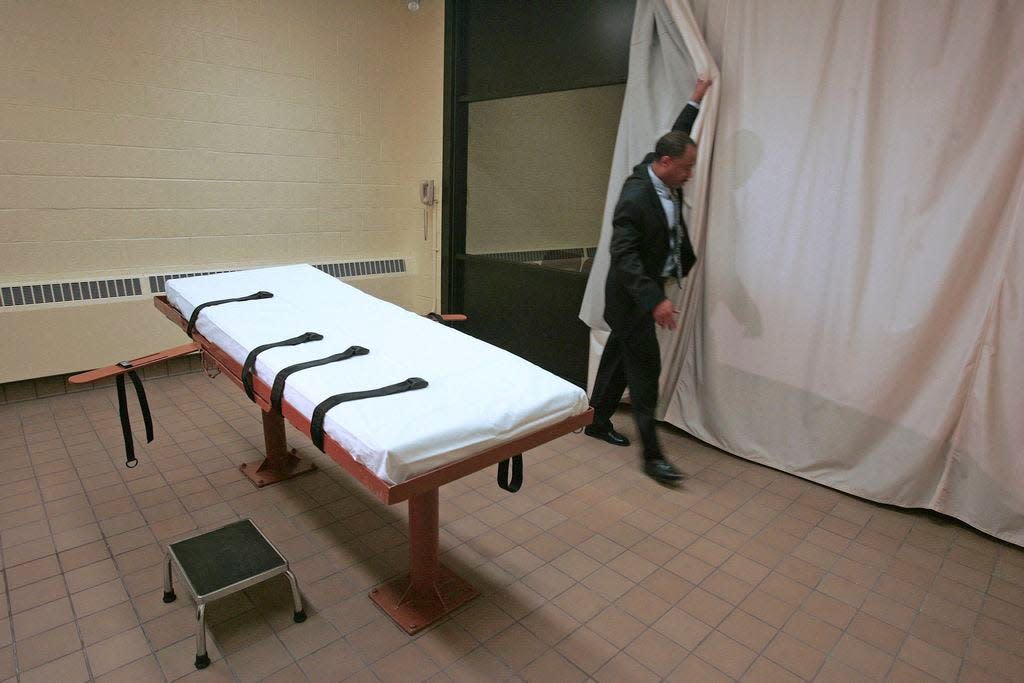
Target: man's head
{"points": [[676, 154]]}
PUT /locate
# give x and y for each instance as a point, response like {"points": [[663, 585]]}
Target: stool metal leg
{"points": [[300, 614], [202, 659], [169, 595]]}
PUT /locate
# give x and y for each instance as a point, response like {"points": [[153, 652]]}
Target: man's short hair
{"points": [[673, 144]]}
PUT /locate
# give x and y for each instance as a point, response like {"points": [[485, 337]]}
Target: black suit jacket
{"points": [[640, 245]]}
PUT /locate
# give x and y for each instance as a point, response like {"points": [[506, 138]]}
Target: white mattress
{"points": [[479, 396]]}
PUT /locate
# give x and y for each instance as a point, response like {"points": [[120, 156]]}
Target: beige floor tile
{"points": [[408, 663], [581, 603], [218, 672], [609, 584], [657, 652], [876, 632], [378, 639], [74, 538], [972, 673], [767, 608], [843, 589], [446, 643], [106, 623], [693, 668], [993, 658], [290, 674], [8, 666], [930, 659], [794, 656], [812, 631], [834, 671], [633, 566], [866, 658], [43, 618], [260, 659], [943, 636], [586, 650], [765, 670], [97, 598], [643, 605], [481, 665], [784, 588], [1000, 634], [178, 660], [334, 662], [747, 630], [616, 626], [83, 555], [726, 586], [829, 609], [40, 593], [622, 667], [726, 654], [31, 572], [143, 670], [91, 575], [549, 581], [68, 669], [47, 646], [114, 652], [889, 611], [550, 667], [27, 552], [26, 532]]}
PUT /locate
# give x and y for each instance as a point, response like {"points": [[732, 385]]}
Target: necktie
{"points": [[677, 230]]}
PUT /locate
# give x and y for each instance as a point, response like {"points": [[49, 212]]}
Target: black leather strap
{"points": [[249, 366], [195, 312], [436, 317], [126, 424], [277, 391], [316, 423], [516, 482]]}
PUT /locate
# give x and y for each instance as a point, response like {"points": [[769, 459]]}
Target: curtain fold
{"points": [[856, 316]]}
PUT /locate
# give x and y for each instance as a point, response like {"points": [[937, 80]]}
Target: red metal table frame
{"points": [[431, 590]]}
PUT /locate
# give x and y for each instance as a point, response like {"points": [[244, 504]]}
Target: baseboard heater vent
{"points": [[60, 292], [16, 295], [157, 283]]}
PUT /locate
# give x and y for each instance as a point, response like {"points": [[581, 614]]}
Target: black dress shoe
{"points": [[662, 471], [606, 434]]}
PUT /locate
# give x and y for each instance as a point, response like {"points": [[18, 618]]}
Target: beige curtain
{"points": [[857, 313], [667, 55]]}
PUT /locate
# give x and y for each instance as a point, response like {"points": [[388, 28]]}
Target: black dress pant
{"points": [[631, 359]]}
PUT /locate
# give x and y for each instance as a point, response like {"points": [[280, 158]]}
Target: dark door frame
{"points": [[508, 48]]}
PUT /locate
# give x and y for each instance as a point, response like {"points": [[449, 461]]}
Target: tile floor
{"points": [[590, 572]]}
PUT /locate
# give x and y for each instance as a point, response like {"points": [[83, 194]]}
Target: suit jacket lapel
{"points": [[658, 210]]}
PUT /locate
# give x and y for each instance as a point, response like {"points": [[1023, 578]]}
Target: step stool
{"points": [[218, 563]]}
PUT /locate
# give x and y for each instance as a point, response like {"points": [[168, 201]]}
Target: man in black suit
{"points": [[649, 244]]}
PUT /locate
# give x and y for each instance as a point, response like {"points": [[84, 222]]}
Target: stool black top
{"points": [[226, 556]]}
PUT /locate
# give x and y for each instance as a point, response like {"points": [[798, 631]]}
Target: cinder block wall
{"points": [[152, 137]]}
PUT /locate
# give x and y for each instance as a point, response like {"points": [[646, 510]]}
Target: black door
{"points": [[533, 94]]}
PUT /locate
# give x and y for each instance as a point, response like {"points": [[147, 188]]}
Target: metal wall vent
{"points": [[59, 292], [157, 283], [93, 290]]}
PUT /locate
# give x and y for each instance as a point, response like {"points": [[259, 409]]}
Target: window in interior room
{"points": [[537, 175]]}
